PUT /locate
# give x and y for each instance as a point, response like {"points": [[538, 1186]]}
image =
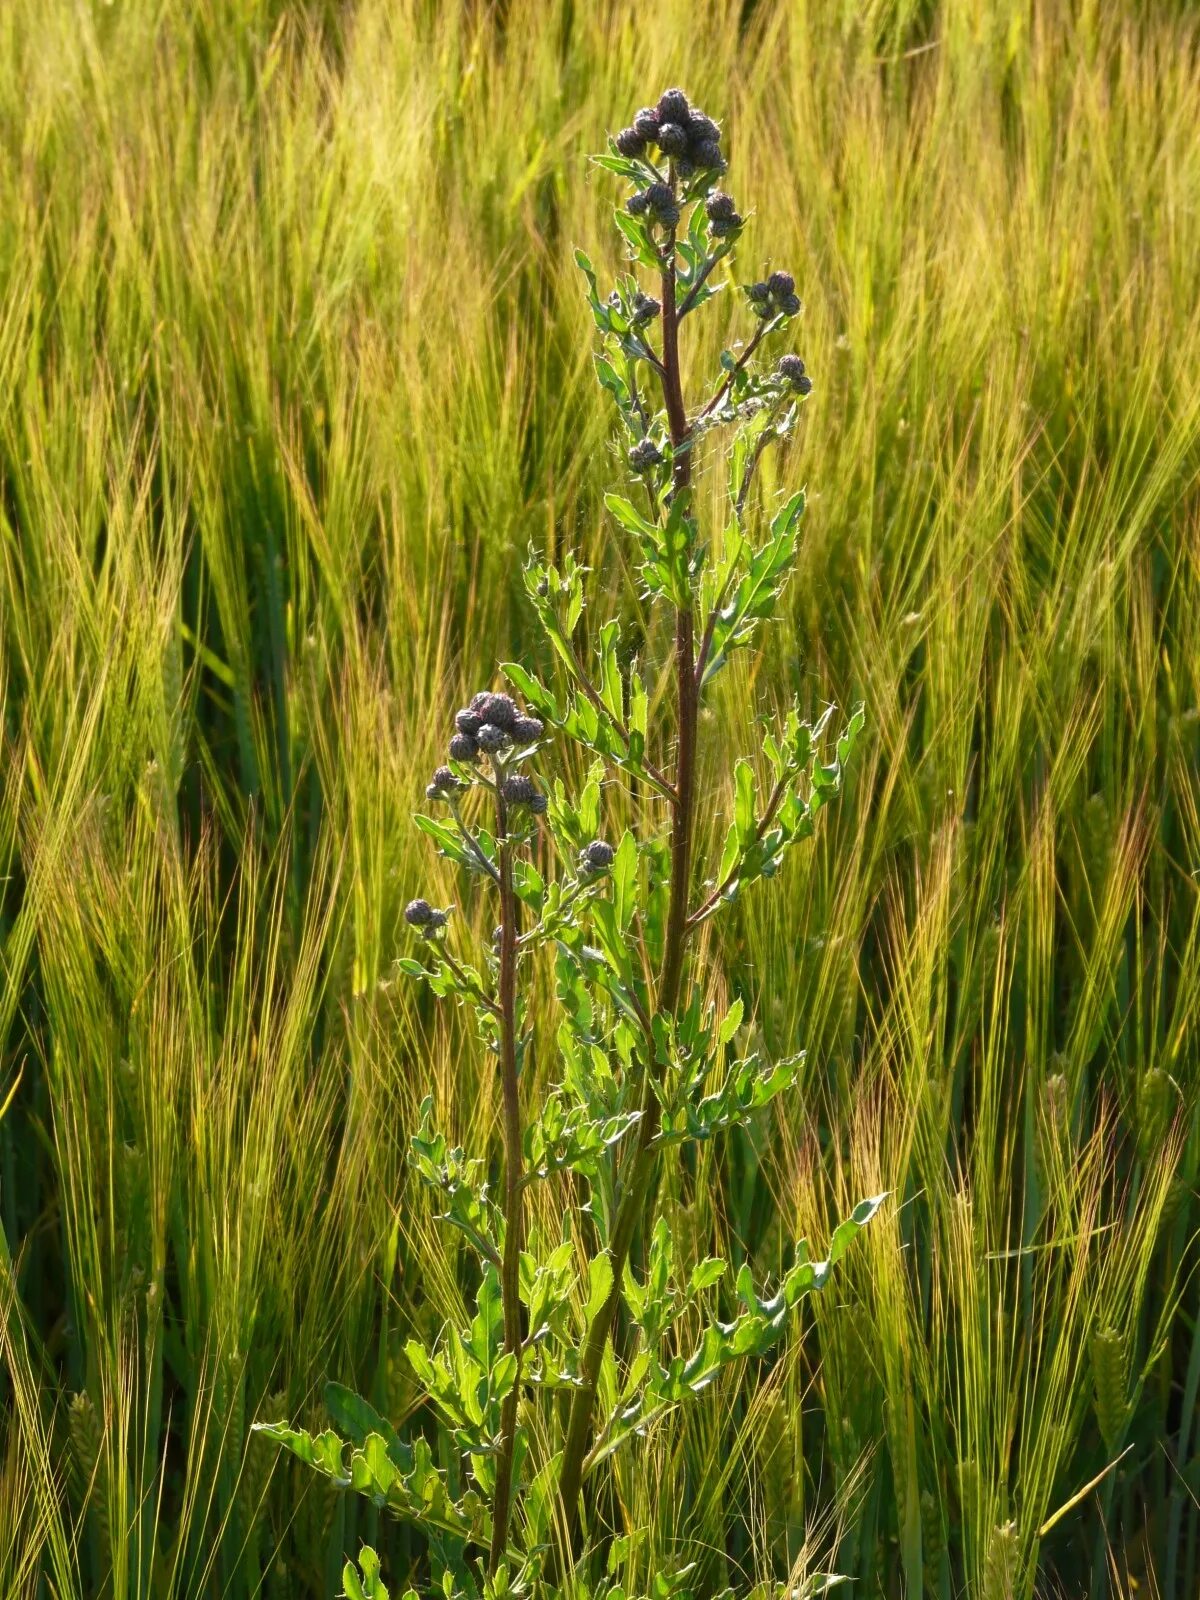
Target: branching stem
{"points": [[634, 1190], [510, 1278]]}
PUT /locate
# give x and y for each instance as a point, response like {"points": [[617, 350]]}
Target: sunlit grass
{"points": [[293, 366]]}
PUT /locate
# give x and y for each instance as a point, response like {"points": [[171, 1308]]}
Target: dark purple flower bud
{"points": [[725, 227], [419, 914], [491, 739], [500, 710], [596, 857], [790, 305], [672, 139], [644, 455], [708, 157], [758, 293], [804, 385], [673, 107], [702, 129], [719, 206], [630, 143], [463, 747], [538, 805], [468, 722], [790, 367], [519, 790], [443, 785], [526, 729], [645, 124], [645, 309], [662, 202], [638, 204], [781, 284]]}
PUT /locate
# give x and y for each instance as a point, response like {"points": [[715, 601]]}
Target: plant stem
{"points": [[510, 1274], [634, 1192]]}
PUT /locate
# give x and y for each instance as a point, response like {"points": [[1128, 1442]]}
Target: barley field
{"points": [[295, 364]]}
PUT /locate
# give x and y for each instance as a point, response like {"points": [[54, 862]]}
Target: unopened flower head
{"points": [[702, 129], [645, 309], [791, 369], [645, 123], [492, 739], [425, 918], [644, 455], [443, 785], [630, 143], [672, 139], [463, 747], [673, 107], [664, 207], [518, 790], [525, 730], [596, 857], [499, 709], [467, 721]]}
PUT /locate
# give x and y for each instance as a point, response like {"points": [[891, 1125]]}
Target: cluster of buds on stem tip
{"points": [[774, 296], [426, 919], [681, 132], [792, 372], [491, 725]]}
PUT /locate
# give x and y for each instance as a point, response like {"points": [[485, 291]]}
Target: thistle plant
{"points": [[535, 1394]]}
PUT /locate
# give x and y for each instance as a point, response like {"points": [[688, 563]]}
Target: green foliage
{"points": [[643, 1071]]}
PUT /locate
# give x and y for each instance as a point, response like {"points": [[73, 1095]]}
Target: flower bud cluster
{"points": [[774, 296], [658, 203], [680, 131], [492, 725], [724, 219], [644, 455], [425, 918], [596, 857], [792, 372]]}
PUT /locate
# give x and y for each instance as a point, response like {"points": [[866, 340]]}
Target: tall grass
{"points": [[293, 365]]}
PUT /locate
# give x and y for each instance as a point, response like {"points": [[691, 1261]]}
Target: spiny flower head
{"points": [[468, 722], [596, 857], [644, 455], [645, 309], [673, 107], [425, 918], [630, 143], [498, 709], [525, 730], [492, 739], [775, 297], [518, 790], [672, 139], [662, 204], [463, 747], [791, 370], [443, 785], [645, 123]]}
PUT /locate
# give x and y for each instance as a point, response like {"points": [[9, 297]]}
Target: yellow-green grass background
{"points": [[294, 364]]}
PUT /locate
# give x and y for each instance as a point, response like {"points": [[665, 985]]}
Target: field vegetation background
{"points": [[294, 364]]}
